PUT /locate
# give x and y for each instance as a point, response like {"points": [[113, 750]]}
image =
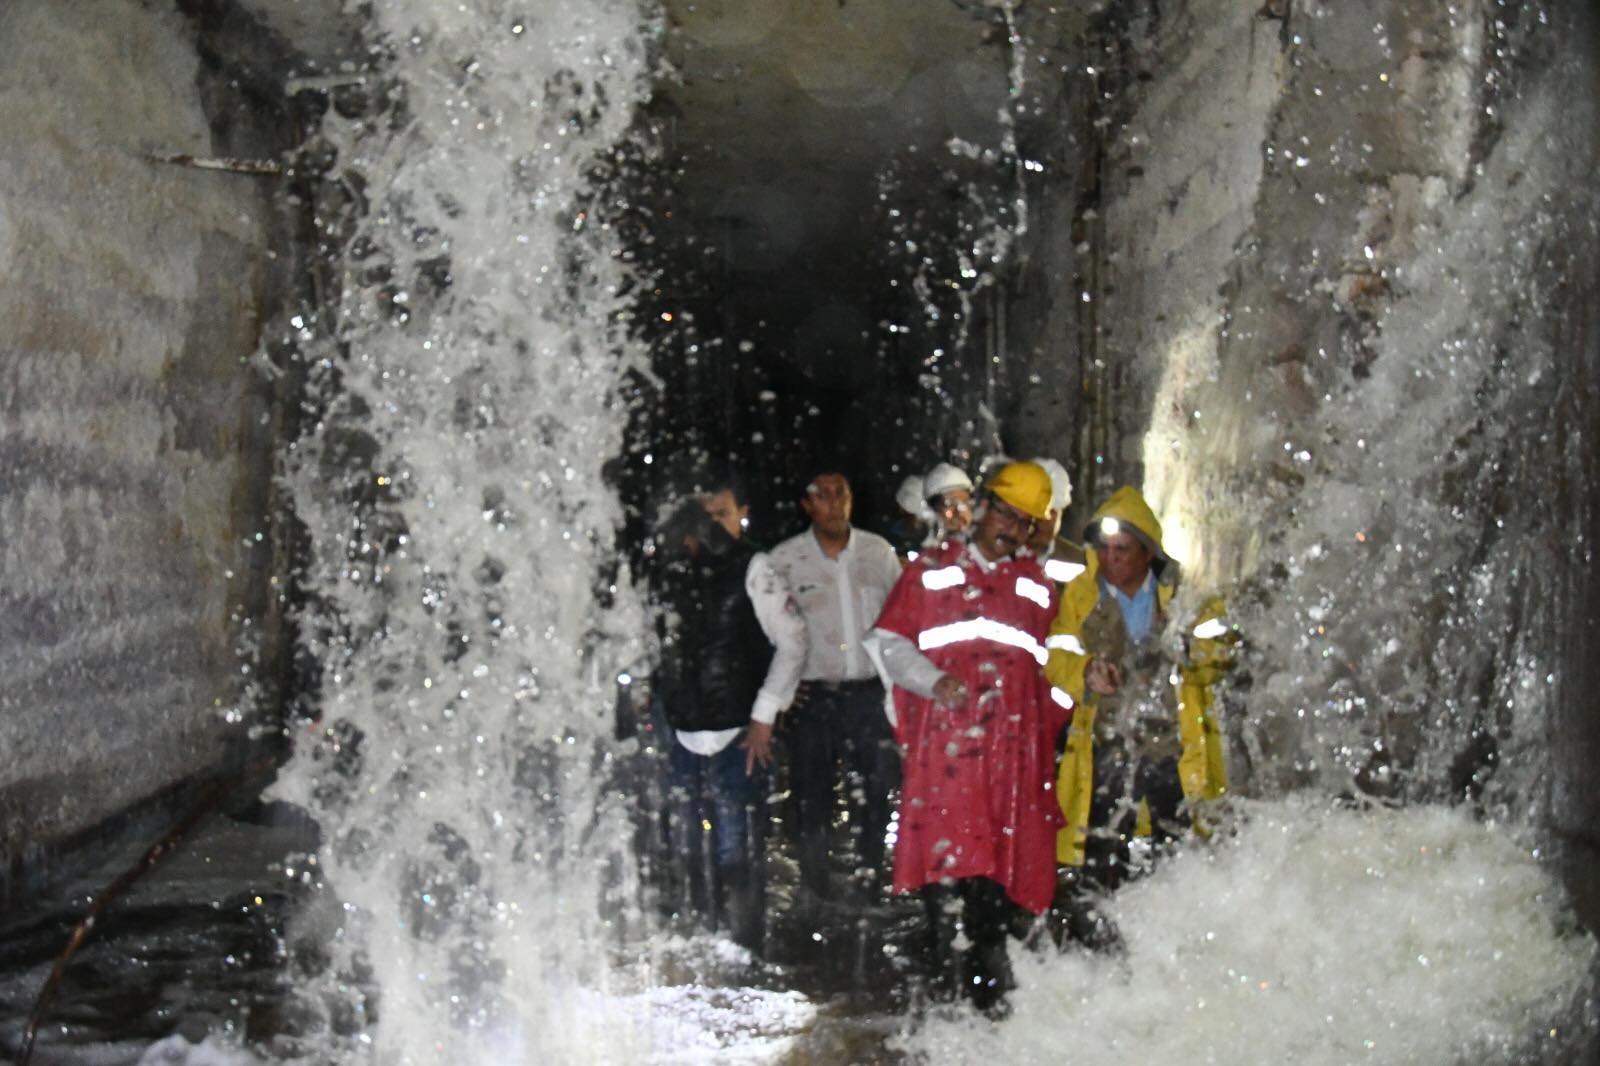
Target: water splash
{"points": [[953, 252], [465, 607], [1316, 935], [1361, 427]]}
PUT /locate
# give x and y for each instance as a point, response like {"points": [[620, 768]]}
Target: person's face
{"points": [[827, 504], [1124, 561], [1001, 530], [725, 512], [955, 510], [1044, 533]]}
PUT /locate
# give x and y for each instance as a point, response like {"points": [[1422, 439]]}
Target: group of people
{"points": [[1043, 710]]}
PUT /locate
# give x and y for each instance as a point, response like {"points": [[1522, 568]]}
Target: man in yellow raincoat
{"points": [[1144, 749]]}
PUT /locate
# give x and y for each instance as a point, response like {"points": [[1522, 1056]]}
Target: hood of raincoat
{"points": [[1129, 508]]}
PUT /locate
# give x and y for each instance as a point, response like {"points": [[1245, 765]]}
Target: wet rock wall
{"points": [[1337, 314], [134, 437]]}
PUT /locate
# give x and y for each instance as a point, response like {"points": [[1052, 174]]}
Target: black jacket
{"points": [[716, 654]]}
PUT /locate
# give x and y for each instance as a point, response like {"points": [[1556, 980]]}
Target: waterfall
{"points": [[463, 600]]}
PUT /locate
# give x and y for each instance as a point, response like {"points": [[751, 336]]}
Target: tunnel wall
{"points": [[1153, 182], [135, 440], [1574, 812], [1340, 260]]}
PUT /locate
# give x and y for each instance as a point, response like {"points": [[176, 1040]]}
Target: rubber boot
{"points": [[1093, 928], [987, 921], [744, 898], [942, 974], [1077, 917]]}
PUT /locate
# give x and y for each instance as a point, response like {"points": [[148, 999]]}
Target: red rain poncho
{"points": [[978, 798]]}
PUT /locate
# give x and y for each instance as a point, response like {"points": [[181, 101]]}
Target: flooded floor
{"points": [[194, 948], [1308, 932], [197, 951]]}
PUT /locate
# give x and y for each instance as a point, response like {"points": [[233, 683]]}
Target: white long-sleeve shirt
{"points": [[905, 664], [839, 599], [781, 622]]}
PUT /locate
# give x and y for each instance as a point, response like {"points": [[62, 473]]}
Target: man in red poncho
{"points": [[962, 639]]}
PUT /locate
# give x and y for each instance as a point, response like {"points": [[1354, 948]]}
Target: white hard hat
{"points": [[942, 479], [909, 495], [1060, 484]]}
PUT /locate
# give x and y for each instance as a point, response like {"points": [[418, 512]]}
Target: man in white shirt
{"points": [[731, 662], [839, 576]]}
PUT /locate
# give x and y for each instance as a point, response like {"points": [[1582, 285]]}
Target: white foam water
{"points": [[1315, 934], [468, 620]]}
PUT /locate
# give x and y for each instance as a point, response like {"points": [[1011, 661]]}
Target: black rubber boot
{"points": [[942, 905], [987, 918], [1097, 932], [1076, 917], [744, 902]]}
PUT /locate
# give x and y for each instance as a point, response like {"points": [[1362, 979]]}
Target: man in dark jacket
{"points": [[733, 646]]}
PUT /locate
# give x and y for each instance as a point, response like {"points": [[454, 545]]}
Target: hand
{"points": [[1103, 678], [949, 692], [757, 745]]}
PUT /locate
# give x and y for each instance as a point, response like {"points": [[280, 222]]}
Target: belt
{"points": [[847, 686]]}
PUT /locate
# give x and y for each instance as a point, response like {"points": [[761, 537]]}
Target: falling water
{"points": [[1410, 543], [953, 257], [464, 603], [1407, 510]]}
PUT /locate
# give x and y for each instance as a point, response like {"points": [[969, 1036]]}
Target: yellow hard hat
{"points": [[1025, 486]]}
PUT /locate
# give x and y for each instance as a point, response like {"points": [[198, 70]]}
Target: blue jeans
{"points": [[717, 831], [715, 789]]}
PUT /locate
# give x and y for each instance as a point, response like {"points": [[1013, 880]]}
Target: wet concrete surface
{"points": [[197, 948], [193, 947]]}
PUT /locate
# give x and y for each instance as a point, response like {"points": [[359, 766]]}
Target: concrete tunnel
{"points": [[1239, 254]]}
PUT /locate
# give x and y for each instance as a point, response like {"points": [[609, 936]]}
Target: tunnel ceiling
{"points": [[782, 116]]}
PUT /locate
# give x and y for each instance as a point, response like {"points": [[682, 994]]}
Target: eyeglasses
{"points": [[954, 504], [1014, 517]]}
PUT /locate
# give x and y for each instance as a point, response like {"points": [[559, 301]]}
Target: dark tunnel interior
{"points": [[822, 225]]}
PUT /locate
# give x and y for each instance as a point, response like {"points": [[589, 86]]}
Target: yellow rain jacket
{"points": [[1209, 648]]}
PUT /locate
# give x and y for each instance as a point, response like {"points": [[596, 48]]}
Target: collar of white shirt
{"points": [[846, 551]]}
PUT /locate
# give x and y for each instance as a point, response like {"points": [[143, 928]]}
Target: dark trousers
{"points": [[840, 726], [716, 827], [1121, 781]]}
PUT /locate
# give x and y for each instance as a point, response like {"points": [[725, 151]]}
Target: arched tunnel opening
{"points": [[354, 357]]}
